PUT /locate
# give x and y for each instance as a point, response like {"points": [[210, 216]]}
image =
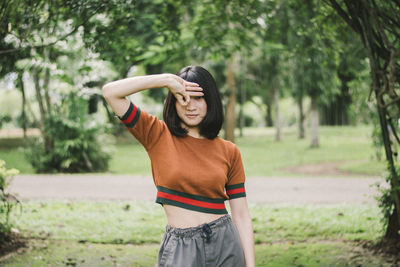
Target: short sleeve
{"points": [[236, 177], [146, 128]]}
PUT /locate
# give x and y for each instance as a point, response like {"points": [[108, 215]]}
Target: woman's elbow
{"points": [[107, 91]]}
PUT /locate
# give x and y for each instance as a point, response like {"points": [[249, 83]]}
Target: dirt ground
{"points": [[302, 189], [323, 169]]}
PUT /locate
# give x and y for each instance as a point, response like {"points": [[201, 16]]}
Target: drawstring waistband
{"points": [[205, 229]]}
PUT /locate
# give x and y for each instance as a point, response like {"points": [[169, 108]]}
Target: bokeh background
{"points": [[310, 93]]}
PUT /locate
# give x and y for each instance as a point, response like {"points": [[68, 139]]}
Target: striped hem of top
{"points": [[131, 116], [235, 191], [190, 202]]}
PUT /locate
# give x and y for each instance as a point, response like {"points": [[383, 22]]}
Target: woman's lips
{"points": [[191, 116]]}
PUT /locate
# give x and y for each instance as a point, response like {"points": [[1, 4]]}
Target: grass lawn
{"points": [[262, 156], [71, 253], [139, 222], [14, 158], [86, 233]]}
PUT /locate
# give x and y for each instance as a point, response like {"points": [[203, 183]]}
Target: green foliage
{"points": [[27, 28], [7, 201], [386, 198], [78, 142], [221, 28], [132, 32], [4, 118]]}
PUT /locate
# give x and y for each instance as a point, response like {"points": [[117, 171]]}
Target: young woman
{"points": [[193, 169]]}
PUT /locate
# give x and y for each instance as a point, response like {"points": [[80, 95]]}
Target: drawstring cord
{"points": [[206, 231]]}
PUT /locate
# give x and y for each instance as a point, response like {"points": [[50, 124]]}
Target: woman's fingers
{"points": [[183, 98], [190, 89], [192, 84], [194, 89], [194, 93]]}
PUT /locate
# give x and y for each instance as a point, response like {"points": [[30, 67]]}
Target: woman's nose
{"points": [[191, 105]]}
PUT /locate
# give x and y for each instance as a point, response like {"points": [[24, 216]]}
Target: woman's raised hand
{"points": [[183, 90]]}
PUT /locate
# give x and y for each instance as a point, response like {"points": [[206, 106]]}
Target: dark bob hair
{"points": [[212, 122]]}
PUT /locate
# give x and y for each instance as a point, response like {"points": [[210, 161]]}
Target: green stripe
{"points": [[161, 200], [238, 195], [127, 113], [234, 186], [195, 197], [135, 119]]}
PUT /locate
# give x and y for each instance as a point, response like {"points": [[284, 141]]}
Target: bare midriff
{"points": [[183, 218]]}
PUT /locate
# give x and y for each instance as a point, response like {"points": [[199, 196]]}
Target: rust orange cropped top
{"points": [[191, 173]]}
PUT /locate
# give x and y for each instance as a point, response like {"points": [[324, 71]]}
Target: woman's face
{"points": [[193, 113]]}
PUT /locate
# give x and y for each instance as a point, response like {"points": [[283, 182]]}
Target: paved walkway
{"points": [[329, 190]]}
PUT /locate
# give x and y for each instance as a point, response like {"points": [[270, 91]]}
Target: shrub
{"points": [[5, 118], [72, 141], [7, 201]]}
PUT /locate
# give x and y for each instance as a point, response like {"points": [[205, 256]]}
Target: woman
{"points": [[194, 170]]}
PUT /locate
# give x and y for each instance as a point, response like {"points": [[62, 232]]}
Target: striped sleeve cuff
{"points": [[131, 116], [235, 191]]}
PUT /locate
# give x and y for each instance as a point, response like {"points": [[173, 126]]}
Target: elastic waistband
{"points": [[191, 231]]}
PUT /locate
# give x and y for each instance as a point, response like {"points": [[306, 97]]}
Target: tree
{"points": [[35, 36], [350, 57], [222, 29], [159, 33], [314, 62], [273, 35], [31, 30], [377, 24], [21, 22]]}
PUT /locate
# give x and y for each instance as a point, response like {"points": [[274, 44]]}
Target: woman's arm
{"points": [[116, 91], [241, 218]]}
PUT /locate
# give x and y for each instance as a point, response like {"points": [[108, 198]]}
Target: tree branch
{"points": [[393, 130], [7, 51], [343, 14]]}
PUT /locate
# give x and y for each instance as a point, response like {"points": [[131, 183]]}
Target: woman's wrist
{"points": [[168, 79]]}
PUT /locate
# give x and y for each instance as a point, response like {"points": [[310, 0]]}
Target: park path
{"points": [[312, 190]]}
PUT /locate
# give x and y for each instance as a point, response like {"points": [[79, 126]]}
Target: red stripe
{"points": [[131, 116], [191, 201], [235, 191]]}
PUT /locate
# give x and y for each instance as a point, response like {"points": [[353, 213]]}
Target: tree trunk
{"points": [[278, 136], [379, 38], [268, 103], [230, 109], [46, 83], [392, 230], [48, 143], [35, 120], [268, 119], [241, 112], [22, 88], [302, 132], [314, 121], [39, 98], [336, 111]]}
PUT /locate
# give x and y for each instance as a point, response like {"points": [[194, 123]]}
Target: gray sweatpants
{"points": [[209, 245]]}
